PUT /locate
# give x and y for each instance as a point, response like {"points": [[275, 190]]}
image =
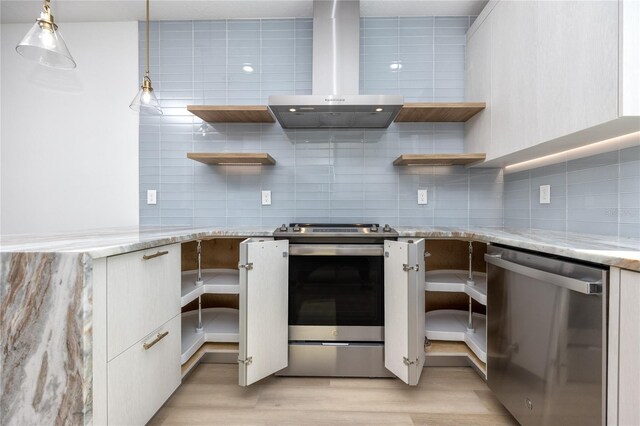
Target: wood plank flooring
{"points": [[445, 396]]}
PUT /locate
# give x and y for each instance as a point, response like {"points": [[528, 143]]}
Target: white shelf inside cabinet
{"points": [[451, 325], [456, 280], [215, 281], [220, 325]]}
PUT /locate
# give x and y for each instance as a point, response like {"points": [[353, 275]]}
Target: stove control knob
{"points": [[283, 228], [387, 228], [296, 228], [374, 228]]}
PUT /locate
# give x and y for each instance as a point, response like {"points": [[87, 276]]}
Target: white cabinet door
{"points": [[513, 88], [623, 376], [404, 309], [264, 296], [477, 130], [576, 66]]}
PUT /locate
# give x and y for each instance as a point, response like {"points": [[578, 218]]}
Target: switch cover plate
{"points": [[266, 198], [545, 194], [422, 196], [151, 196]]}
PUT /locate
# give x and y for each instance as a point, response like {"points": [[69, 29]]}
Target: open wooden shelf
{"points": [[232, 113], [230, 158], [439, 159], [439, 112]]}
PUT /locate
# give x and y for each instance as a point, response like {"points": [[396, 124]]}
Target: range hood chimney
{"points": [[335, 102]]}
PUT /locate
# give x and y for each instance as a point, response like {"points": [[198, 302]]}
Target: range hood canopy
{"points": [[335, 102]]}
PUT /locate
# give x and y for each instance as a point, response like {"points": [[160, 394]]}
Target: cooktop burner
{"points": [[334, 231]]}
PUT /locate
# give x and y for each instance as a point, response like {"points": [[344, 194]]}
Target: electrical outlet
{"points": [[151, 196], [266, 198], [545, 194], [422, 196]]}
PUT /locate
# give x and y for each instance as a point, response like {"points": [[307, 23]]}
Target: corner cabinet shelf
{"points": [[439, 112], [219, 325], [451, 325], [453, 280], [232, 113], [439, 159], [232, 158], [215, 281]]}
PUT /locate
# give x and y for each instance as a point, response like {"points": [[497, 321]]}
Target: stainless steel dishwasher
{"points": [[546, 337]]}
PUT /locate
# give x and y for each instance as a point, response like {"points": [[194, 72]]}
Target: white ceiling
{"points": [[127, 10]]}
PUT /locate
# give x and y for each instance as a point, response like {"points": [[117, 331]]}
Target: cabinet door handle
{"points": [[159, 337], [151, 256]]}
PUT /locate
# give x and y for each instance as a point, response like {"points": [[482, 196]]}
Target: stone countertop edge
{"points": [[612, 251]]}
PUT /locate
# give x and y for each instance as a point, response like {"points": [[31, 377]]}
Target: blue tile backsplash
{"points": [[598, 195], [320, 175]]}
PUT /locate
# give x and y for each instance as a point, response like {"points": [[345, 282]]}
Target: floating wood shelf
{"points": [[232, 113], [230, 158], [438, 159], [439, 112]]}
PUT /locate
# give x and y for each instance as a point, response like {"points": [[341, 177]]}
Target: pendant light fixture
{"points": [[44, 43], [146, 101]]}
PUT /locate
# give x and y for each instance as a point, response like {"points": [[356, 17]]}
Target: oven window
{"points": [[336, 290]]}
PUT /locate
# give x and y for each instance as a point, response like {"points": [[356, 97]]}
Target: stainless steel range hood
{"points": [[335, 102]]}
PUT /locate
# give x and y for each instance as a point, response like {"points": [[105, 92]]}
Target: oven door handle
{"points": [[336, 249]]}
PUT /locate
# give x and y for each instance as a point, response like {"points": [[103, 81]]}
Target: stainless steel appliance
{"points": [[546, 328], [335, 102], [336, 299]]}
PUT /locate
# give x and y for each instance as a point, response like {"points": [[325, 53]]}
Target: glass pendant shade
{"points": [[145, 101], [45, 45]]}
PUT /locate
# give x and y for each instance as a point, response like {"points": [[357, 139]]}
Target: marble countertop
{"points": [[613, 251]]}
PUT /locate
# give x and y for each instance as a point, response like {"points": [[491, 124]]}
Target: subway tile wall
{"points": [[320, 175], [597, 195]]}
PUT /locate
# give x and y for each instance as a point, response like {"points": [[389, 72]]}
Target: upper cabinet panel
{"points": [[630, 57], [513, 76], [555, 75], [577, 65]]}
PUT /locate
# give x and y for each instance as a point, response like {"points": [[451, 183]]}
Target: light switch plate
{"points": [[266, 198], [151, 196], [545, 194], [422, 196]]}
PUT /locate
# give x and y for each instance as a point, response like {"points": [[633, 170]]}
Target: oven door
{"points": [[336, 292]]}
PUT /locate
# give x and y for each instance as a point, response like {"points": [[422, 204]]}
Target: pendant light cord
{"points": [[47, 7], [147, 69]]}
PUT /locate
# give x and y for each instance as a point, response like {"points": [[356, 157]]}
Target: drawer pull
{"points": [[159, 337], [151, 256]]}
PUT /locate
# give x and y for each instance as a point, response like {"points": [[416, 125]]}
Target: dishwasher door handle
{"points": [[574, 284]]}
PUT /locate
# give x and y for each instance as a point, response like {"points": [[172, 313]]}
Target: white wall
{"points": [[69, 142]]}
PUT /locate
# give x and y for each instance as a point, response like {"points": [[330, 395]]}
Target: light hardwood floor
{"points": [[445, 396]]}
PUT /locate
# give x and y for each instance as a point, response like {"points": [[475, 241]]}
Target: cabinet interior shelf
{"points": [[438, 159], [208, 348], [453, 280], [219, 325], [451, 325], [455, 349], [438, 112], [232, 113], [214, 281], [232, 158]]}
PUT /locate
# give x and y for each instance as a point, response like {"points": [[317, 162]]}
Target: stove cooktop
{"points": [[335, 230]]}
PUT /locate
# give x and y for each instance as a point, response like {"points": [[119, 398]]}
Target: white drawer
{"points": [[143, 292], [140, 380]]}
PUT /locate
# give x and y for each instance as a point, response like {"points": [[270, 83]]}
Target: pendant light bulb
{"points": [[44, 43], [145, 101]]}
